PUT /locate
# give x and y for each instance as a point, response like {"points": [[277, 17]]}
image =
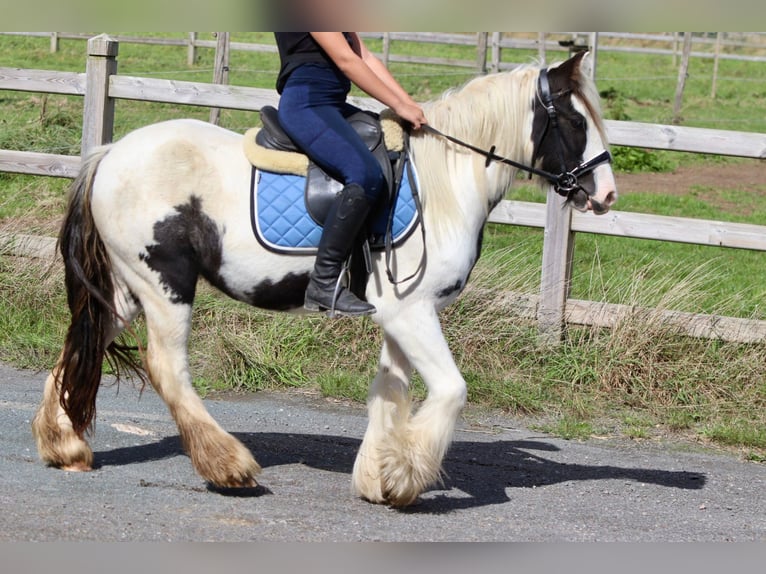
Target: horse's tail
{"points": [[90, 291]]}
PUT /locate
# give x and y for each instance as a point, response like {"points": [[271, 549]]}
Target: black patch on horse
{"points": [[187, 244], [460, 284], [287, 293], [447, 291]]}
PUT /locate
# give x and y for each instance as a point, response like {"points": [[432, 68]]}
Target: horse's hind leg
{"points": [[216, 455], [57, 442]]}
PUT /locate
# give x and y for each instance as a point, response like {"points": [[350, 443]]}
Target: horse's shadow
{"points": [[481, 470]]}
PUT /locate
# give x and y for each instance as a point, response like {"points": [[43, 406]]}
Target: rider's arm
{"points": [[368, 73]]}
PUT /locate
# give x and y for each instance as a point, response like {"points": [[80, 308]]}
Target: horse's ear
{"points": [[586, 63], [572, 70]]}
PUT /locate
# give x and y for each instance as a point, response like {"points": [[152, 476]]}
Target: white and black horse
{"points": [[168, 203]]}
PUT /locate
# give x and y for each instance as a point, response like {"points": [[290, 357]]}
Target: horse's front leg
{"points": [[388, 406], [410, 450], [216, 455]]}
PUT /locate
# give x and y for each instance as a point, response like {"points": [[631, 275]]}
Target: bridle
{"points": [[566, 182]]}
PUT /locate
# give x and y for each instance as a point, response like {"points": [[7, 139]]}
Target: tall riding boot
{"points": [[344, 221]]}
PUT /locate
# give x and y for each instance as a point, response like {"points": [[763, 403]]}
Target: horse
{"points": [[167, 204]]}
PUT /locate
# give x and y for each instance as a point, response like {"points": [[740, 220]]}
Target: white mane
{"points": [[488, 110]]}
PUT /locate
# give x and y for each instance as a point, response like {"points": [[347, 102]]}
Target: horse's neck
{"points": [[465, 188], [492, 111], [458, 191]]}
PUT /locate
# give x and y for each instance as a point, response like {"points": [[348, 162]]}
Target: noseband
{"points": [[566, 182]]}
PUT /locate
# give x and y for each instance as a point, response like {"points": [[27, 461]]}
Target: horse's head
{"points": [[569, 137]]}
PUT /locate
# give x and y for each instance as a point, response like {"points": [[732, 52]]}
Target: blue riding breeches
{"points": [[313, 112]]}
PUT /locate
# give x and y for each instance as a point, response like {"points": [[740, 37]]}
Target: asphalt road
{"points": [[503, 482]]}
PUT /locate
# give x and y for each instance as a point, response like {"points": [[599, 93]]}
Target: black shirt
{"points": [[296, 48]]}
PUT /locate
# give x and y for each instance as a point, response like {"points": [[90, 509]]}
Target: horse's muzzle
{"points": [[600, 208]]}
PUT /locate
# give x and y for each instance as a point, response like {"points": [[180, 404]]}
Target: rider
{"points": [[315, 77]]}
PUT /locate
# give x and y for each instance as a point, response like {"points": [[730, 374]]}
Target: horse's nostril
{"points": [[611, 199]]}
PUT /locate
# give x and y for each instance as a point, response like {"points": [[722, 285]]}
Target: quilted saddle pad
{"points": [[281, 222]]}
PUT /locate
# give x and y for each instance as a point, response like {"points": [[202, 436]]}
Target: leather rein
{"points": [[566, 183]]}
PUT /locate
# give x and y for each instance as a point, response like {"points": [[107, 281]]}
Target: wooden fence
{"points": [[101, 88], [488, 45], [488, 48]]}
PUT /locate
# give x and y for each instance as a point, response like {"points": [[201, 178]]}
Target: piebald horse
{"points": [[168, 203]]}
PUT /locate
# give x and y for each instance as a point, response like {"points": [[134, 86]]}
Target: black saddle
{"points": [[321, 188]]}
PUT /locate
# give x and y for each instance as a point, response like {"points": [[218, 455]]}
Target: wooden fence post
{"points": [[541, 47], [54, 42], [386, 48], [717, 57], [98, 109], [593, 43], [221, 69], [683, 73], [558, 248], [496, 51], [191, 50], [481, 52]]}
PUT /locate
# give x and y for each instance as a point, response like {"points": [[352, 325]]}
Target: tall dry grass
{"points": [[642, 369]]}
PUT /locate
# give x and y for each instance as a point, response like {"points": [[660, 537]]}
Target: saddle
{"points": [[321, 188], [291, 196]]}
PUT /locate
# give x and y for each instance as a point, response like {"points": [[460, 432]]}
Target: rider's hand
{"points": [[413, 113]]}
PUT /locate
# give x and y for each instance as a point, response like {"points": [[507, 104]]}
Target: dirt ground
{"points": [[747, 176]]}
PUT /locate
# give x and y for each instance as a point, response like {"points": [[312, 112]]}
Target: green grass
{"points": [[638, 380]]}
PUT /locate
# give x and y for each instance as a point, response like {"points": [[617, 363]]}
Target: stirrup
{"points": [[327, 301], [344, 277], [344, 273]]}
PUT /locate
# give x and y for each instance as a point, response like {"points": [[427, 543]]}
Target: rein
{"points": [[566, 182], [404, 160]]}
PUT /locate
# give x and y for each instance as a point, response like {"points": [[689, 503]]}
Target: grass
{"points": [[639, 380], [643, 377]]}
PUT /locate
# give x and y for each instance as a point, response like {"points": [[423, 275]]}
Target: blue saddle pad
{"points": [[282, 223]]}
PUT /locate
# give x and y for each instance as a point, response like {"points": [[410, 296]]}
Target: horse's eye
{"points": [[578, 122]]}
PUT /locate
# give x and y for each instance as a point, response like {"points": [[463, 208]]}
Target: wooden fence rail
{"points": [[100, 87], [489, 45]]}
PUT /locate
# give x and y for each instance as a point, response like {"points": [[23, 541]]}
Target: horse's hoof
{"points": [[76, 467], [234, 483], [400, 501], [247, 483]]}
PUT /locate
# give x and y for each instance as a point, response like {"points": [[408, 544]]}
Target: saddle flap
{"points": [[321, 190]]}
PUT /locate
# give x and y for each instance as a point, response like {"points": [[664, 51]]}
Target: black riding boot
{"points": [[344, 221]]}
